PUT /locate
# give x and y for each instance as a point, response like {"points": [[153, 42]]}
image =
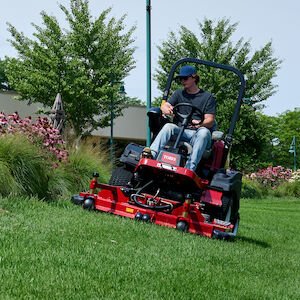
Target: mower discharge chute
{"points": [[162, 191]]}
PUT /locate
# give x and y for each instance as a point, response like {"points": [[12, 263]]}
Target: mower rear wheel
{"points": [[229, 208], [120, 176], [182, 226]]}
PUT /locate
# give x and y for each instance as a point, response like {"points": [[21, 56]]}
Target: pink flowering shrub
{"points": [[272, 176], [39, 132]]}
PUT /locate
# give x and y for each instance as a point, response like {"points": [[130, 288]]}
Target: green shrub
{"points": [[288, 189], [251, 189]]}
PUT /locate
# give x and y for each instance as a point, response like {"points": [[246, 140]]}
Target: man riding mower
{"points": [[181, 180]]}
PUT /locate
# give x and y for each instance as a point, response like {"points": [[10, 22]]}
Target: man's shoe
{"points": [[146, 153]]}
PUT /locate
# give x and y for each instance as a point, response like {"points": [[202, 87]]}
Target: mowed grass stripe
{"points": [[55, 251]]}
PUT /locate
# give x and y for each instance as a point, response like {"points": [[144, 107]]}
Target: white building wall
{"points": [[9, 105], [132, 125]]}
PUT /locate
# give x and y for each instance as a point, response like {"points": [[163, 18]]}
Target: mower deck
{"points": [[186, 216], [113, 200]]}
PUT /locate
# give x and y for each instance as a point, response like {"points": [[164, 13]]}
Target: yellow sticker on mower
{"points": [[129, 210]]}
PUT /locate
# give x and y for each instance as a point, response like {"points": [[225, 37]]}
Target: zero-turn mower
{"points": [[162, 191]]}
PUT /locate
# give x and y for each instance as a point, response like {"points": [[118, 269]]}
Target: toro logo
{"points": [[169, 158]]}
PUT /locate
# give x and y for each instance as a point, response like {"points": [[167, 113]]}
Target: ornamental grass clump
{"points": [[74, 176], [29, 151], [34, 160], [86, 160], [23, 168], [8, 184], [291, 189], [251, 189]]}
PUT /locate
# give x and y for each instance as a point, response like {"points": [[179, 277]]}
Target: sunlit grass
{"points": [[59, 251]]}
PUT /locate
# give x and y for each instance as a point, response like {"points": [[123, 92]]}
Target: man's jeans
{"points": [[200, 139]]}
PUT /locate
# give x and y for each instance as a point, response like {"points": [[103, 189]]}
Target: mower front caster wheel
{"points": [[182, 226], [89, 204]]}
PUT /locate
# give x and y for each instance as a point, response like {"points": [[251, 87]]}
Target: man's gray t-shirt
{"points": [[203, 100]]}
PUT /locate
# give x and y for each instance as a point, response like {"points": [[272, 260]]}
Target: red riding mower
{"points": [[162, 191]]}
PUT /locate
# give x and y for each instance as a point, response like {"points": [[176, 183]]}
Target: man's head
{"points": [[188, 76]]}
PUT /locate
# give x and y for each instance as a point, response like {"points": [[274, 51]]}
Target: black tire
{"points": [[182, 226], [89, 204], [120, 176], [229, 208], [226, 207]]}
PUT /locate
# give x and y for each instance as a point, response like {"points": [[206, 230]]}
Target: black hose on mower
{"points": [[134, 197]]}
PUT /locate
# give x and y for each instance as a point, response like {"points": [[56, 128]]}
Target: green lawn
{"points": [[59, 251]]}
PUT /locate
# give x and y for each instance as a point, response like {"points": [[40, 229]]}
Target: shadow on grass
{"points": [[259, 243]]}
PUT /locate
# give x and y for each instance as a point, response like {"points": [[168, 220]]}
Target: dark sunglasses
{"points": [[184, 77], [179, 79]]}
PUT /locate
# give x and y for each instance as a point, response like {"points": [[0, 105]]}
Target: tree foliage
{"points": [[4, 84], [214, 43], [86, 63], [283, 128]]}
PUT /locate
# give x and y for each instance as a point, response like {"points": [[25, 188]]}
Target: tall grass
{"points": [[24, 168], [75, 175], [288, 189], [8, 183]]}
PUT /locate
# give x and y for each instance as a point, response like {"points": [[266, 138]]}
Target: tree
{"points": [[214, 44], [285, 127], [85, 63], [269, 153], [4, 85]]}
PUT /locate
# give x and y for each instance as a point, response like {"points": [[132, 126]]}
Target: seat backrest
{"points": [[217, 135], [212, 158]]}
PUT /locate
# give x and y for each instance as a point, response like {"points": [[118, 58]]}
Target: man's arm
{"points": [[208, 121]]}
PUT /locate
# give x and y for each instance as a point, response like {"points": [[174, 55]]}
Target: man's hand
{"points": [[167, 108], [208, 122], [195, 124]]}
